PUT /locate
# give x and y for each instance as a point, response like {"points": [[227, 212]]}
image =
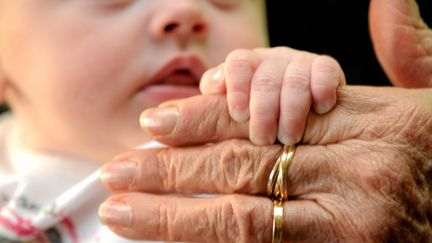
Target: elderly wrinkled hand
{"points": [[362, 173]]}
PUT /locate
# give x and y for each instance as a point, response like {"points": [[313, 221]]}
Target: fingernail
{"points": [[116, 214], [289, 139], [323, 108], [217, 82], [119, 175], [263, 140], [160, 121], [239, 114], [218, 74]]}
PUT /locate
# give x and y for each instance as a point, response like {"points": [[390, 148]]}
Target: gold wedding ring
{"points": [[277, 221], [277, 189]]}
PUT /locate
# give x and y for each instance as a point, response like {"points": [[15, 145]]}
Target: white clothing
{"points": [[48, 198]]}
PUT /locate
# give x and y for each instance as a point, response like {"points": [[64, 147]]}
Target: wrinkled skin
{"points": [[362, 175]]}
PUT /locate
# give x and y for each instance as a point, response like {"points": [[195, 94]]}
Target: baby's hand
{"points": [[274, 88]]}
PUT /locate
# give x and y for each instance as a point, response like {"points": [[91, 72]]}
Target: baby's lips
{"points": [[190, 64]]}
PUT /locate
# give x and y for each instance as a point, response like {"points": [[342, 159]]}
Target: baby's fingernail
{"points": [[239, 114], [324, 107], [119, 175], [217, 81], [218, 74], [263, 140], [160, 121], [289, 139], [116, 214]]}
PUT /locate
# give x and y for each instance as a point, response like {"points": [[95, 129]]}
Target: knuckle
{"points": [[325, 64], [265, 82], [166, 169], [243, 167], [228, 224], [236, 68], [237, 220], [236, 166], [239, 58], [297, 79], [236, 65], [326, 71], [163, 217]]}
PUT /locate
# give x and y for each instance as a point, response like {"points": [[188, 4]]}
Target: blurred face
{"points": [[79, 72]]}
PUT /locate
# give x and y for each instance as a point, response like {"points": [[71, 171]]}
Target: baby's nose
{"points": [[181, 19]]}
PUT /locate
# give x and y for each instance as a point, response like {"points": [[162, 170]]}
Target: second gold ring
{"points": [[277, 189]]}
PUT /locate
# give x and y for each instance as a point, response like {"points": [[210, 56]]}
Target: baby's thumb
{"points": [[213, 81]]}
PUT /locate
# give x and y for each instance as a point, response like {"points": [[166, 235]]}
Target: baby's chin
{"points": [[153, 95]]}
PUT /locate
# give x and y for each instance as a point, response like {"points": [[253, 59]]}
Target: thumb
{"points": [[402, 42]]}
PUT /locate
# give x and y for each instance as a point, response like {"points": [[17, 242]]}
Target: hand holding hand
{"points": [[274, 89], [363, 174]]}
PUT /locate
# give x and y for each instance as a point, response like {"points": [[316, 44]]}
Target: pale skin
{"points": [[361, 168], [89, 68], [274, 90], [362, 174], [77, 74]]}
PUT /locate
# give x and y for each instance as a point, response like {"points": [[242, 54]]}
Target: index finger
{"points": [[195, 120], [205, 119]]}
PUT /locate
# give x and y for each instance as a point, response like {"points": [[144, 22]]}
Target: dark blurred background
{"points": [[335, 27]]}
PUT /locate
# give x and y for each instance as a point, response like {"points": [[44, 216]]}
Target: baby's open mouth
{"points": [[180, 77]]}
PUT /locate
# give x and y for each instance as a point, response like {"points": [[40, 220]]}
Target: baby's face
{"points": [[79, 72]]}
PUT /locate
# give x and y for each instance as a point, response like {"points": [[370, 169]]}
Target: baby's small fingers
{"points": [[295, 100], [326, 77], [265, 101], [212, 81], [239, 69]]}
